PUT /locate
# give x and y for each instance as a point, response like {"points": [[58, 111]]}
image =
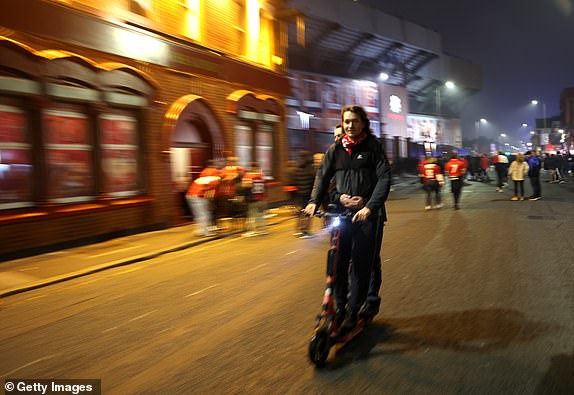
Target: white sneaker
{"points": [[428, 207], [438, 206]]}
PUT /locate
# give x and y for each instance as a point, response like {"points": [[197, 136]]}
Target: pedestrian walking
{"points": [[501, 167], [201, 196], [517, 171], [474, 167], [432, 181], [304, 178], [233, 203], [484, 165], [456, 169], [253, 187], [551, 164], [534, 167]]}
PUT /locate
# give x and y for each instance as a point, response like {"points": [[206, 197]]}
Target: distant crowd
{"points": [[516, 167]]}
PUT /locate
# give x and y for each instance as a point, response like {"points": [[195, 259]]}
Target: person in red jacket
{"points": [[200, 196], [432, 180], [231, 174], [455, 169], [484, 164]]}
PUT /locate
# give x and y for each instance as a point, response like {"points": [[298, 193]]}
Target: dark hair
{"points": [[360, 111]]}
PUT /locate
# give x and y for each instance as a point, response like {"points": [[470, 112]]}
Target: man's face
{"points": [[352, 124], [338, 134]]}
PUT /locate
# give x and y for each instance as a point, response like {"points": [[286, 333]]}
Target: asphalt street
{"points": [[475, 301]]}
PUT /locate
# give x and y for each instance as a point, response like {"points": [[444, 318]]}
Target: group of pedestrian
{"points": [[523, 166], [233, 190]]}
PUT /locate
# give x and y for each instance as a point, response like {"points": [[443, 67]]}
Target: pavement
{"points": [[24, 274], [38, 271]]}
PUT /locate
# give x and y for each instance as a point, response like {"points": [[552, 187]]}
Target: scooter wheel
{"points": [[319, 347]]}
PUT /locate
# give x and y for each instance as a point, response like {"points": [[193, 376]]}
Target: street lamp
{"points": [[543, 131], [449, 85], [477, 126], [535, 102]]}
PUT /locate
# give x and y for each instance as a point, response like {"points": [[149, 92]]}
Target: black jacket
{"points": [[303, 179], [365, 173]]}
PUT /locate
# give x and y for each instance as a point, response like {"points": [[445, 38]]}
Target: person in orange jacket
{"points": [[200, 196], [456, 169], [432, 180]]}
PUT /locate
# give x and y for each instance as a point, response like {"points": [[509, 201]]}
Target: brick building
{"points": [[109, 107]]}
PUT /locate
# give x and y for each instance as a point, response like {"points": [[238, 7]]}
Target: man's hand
{"points": [[310, 209], [352, 202], [362, 214]]}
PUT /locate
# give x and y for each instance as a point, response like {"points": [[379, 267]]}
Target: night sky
{"points": [[524, 47]]}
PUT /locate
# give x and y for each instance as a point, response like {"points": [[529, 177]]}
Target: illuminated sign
{"points": [[304, 118], [395, 104]]}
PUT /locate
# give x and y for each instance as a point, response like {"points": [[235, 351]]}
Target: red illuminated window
{"points": [[68, 153], [16, 168], [119, 154]]}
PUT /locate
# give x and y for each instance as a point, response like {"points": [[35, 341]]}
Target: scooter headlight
{"points": [[335, 222]]}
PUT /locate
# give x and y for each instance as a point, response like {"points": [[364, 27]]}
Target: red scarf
{"points": [[349, 143]]}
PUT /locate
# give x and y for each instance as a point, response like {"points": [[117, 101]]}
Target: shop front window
{"points": [[264, 148], [16, 168], [68, 155], [243, 144], [119, 160]]}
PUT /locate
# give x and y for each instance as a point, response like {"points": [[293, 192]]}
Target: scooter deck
{"points": [[343, 339]]}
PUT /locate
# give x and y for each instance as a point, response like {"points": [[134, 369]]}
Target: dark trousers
{"points": [[377, 269], [358, 242], [456, 189], [519, 188], [500, 173], [536, 188]]}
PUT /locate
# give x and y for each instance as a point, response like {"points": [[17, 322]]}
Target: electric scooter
{"points": [[327, 332]]}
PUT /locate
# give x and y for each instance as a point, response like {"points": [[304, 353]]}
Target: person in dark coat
{"points": [[363, 180], [303, 178]]}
